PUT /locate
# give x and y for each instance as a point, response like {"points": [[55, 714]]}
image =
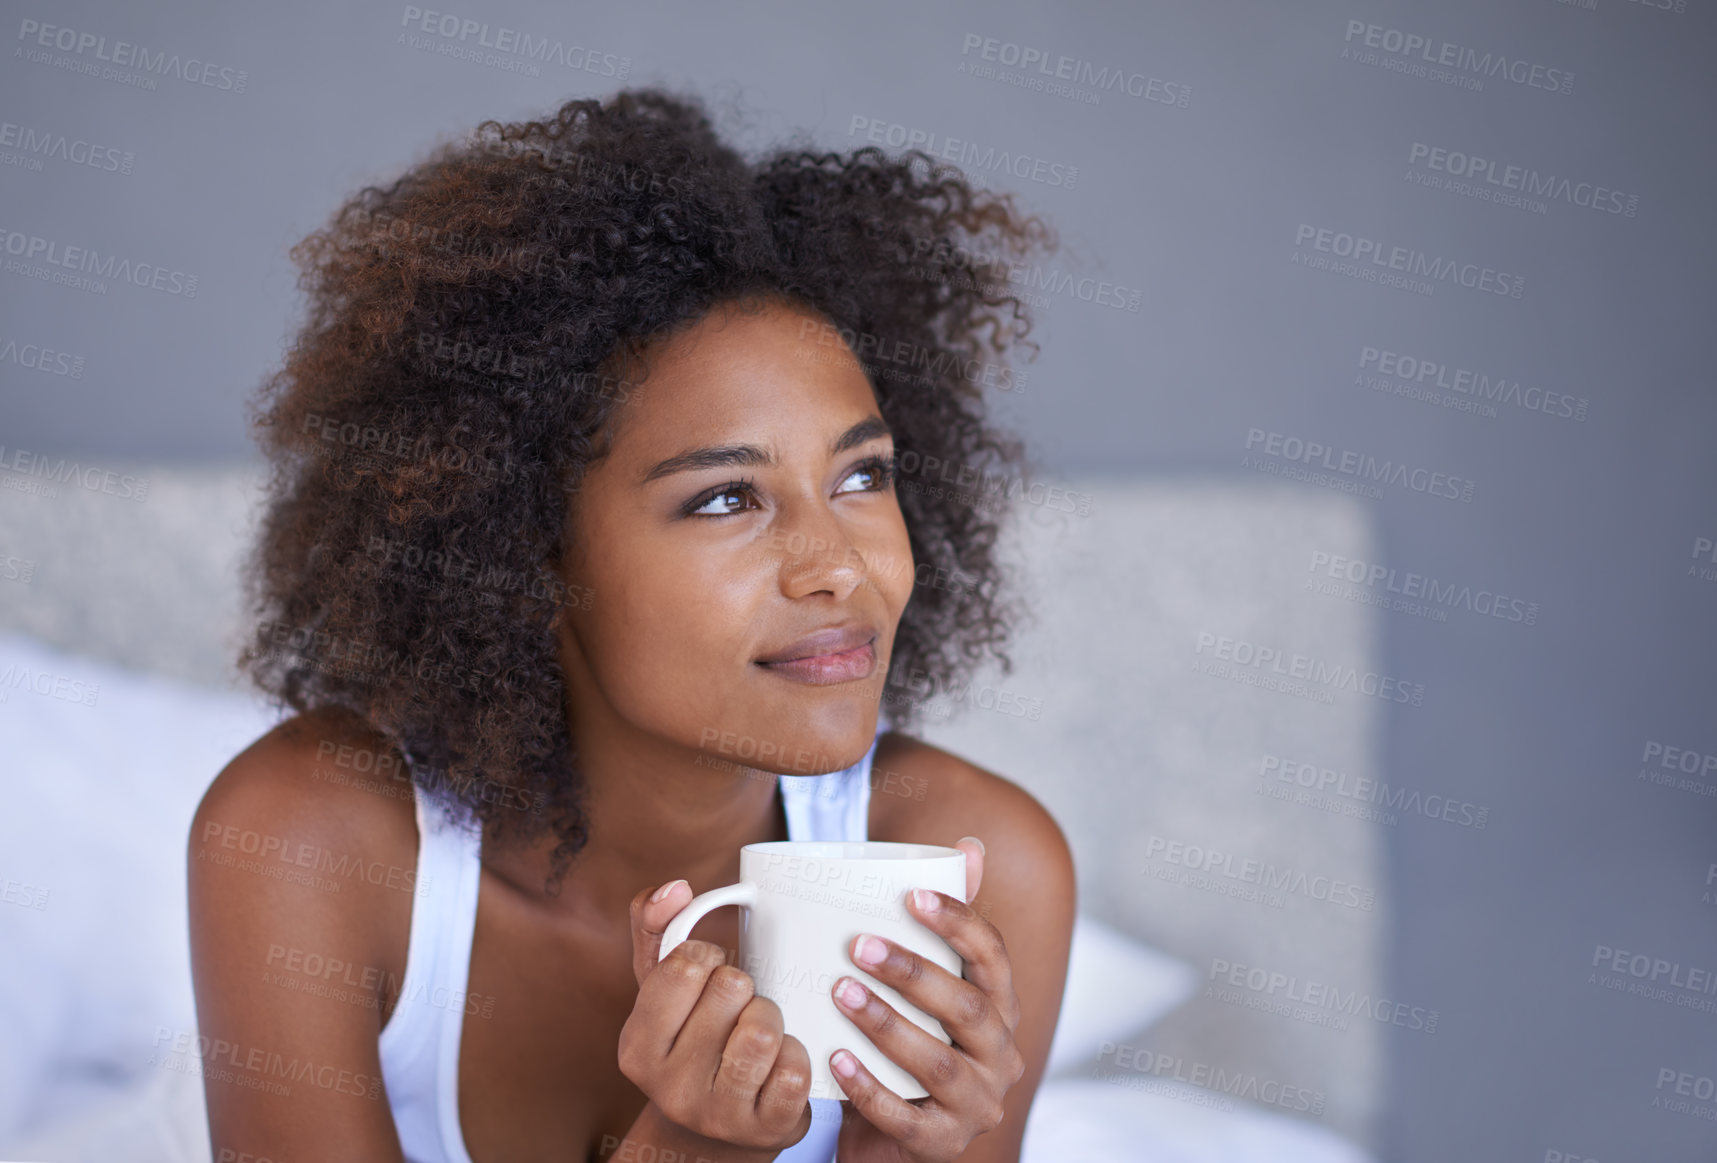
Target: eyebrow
{"points": [[743, 455]]}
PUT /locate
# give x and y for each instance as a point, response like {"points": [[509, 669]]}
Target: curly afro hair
{"points": [[457, 368]]}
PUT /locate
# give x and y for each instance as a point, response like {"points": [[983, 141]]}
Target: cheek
{"points": [[894, 571], [668, 630]]}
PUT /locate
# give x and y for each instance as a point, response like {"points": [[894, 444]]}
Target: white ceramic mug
{"points": [[803, 902]]}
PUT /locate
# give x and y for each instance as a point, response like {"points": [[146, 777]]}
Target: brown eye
{"points": [[879, 469], [731, 489]]}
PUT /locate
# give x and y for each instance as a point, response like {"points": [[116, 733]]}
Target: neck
{"points": [[654, 812]]}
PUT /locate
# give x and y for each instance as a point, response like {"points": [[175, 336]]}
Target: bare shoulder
{"points": [[300, 893], [315, 820], [324, 777], [923, 794], [919, 791]]}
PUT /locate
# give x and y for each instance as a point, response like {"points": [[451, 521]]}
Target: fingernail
{"points": [[926, 900], [974, 840], [869, 951], [664, 890], [851, 993], [844, 1064]]}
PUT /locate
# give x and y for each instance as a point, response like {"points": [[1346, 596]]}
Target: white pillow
{"points": [[160, 1117], [1163, 1121], [103, 770], [1116, 987]]}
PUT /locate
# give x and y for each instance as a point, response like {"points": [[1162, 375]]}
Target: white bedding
{"points": [[94, 958]]}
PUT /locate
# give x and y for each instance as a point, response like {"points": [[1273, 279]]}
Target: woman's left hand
{"points": [[966, 1080]]}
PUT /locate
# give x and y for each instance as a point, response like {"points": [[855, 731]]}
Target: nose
{"points": [[818, 554]]}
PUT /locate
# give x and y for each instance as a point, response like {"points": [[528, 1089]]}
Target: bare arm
{"points": [[1029, 894], [289, 1073], [1016, 930]]}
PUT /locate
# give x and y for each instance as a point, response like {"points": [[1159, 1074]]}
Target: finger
{"points": [[983, 954], [650, 920], [787, 1090], [702, 1043], [749, 1054], [667, 998], [941, 1069], [915, 1127], [974, 850]]}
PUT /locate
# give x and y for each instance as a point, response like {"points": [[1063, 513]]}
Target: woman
{"points": [[608, 517]]}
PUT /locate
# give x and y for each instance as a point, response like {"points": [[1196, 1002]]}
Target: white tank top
{"points": [[420, 1044]]}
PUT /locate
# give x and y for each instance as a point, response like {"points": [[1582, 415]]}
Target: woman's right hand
{"points": [[710, 1054]]}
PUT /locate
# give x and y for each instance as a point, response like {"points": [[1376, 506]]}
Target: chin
{"points": [[810, 733]]}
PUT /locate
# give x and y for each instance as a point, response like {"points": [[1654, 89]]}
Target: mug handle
{"points": [[743, 894]]}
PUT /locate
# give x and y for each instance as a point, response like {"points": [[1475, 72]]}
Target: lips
{"points": [[830, 655], [829, 640]]}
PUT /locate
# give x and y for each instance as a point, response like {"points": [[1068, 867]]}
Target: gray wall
{"points": [[1603, 518]]}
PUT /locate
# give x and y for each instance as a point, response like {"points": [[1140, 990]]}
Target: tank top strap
{"points": [[833, 806], [419, 1046]]}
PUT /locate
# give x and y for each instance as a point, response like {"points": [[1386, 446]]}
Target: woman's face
{"points": [[703, 589]]}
